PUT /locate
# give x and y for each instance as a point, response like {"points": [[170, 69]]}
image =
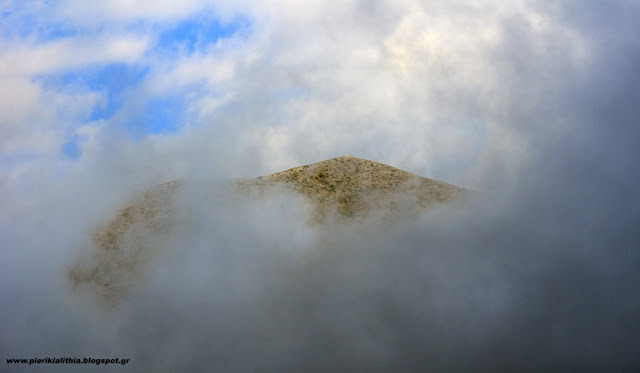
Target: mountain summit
{"points": [[356, 186]]}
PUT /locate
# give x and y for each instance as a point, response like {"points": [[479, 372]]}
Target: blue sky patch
{"points": [[192, 34], [71, 148], [161, 115], [117, 82], [20, 25], [112, 80]]}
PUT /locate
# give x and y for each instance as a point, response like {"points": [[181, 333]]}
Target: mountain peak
{"points": [[346, 188], [356, 186]]}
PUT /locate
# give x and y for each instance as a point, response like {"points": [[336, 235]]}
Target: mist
{"points": [[537, 272]]}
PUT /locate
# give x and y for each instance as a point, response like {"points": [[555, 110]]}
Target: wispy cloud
{"points": [[70, 53]]}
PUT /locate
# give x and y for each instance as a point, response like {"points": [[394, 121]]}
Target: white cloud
{"points": [[18, 58], [33, 120], [96, 13], [403, 82], [190, 70]]}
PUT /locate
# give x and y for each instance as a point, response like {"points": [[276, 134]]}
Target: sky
{"points": [[532, 103]]}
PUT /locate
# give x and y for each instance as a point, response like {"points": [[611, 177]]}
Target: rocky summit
{"points": [[356, 187]]}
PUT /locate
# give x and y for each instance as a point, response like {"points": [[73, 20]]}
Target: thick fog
{"points": [[537, 272]]}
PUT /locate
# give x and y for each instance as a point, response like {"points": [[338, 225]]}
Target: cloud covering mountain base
{"points": [[543, 279]]}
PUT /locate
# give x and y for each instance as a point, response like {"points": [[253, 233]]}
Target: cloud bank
{"points": [[532, 103]]}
